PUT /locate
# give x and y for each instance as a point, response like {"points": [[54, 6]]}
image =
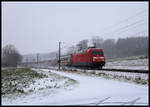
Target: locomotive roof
{"points": [[96, 48], [82, 51]]}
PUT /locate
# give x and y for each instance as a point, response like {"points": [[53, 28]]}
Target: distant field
{"points": [[128, 58], [135, 62]]}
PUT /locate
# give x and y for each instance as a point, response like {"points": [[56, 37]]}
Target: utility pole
{"points": [[27, 61], [37, 58], [59, 56]]}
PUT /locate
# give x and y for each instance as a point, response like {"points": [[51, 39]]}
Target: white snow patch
{"points": [[89, 90], [139, 64]]}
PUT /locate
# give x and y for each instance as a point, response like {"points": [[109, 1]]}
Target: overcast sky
{"points": [[38, 26]]}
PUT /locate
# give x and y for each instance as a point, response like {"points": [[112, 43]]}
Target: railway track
{"points": [[105, 69], [119, 70], [126, 70], [135, 76]]}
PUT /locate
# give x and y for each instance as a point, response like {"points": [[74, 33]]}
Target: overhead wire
{"points": [[139, 22], [120, 22], [128, 27]]}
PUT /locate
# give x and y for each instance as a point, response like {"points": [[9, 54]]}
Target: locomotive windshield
{"points": [[96, 52]]}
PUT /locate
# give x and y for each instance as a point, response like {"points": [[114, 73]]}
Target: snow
{"points": [[133, 76], [89, 91], [45, 83], [138, 64], [128, 67]]}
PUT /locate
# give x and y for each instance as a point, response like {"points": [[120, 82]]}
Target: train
{"points": [[89, 58]]}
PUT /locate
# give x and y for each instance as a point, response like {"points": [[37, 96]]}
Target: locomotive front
{"points": [[98, 59]]}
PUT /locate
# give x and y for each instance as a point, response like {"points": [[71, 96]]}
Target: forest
{"points": [[122, 47]]}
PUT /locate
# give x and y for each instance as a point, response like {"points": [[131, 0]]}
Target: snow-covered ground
{"points": [[90, 90], [52, 81], [139, 64]]}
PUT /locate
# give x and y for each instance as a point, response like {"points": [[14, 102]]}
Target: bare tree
{"points": [[97, 41], [109, 48], [71, 50], [82, 45], [132, 46], [10, 56], [123, 47]]}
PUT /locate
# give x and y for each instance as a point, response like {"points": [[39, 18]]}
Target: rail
{"points": [[104, 69], [126, 70]]}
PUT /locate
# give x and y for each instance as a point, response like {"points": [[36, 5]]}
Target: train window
{"points": [[95, 52]]}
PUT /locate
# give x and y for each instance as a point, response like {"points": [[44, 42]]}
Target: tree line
{"points": [[122, 47], [10, 56]]}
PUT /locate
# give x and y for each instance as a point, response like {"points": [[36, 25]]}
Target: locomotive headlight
{"points": [[94, 58], [101, 57]]}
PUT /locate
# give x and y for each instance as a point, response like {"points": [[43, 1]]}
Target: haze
{"points": [[38, 26]]}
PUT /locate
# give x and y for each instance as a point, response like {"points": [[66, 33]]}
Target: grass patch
{"points": [[137, 80], [15, 79]]}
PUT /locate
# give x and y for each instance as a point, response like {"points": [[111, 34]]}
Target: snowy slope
{"points": [[89, 91]]}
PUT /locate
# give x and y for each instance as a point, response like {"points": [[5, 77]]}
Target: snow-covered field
{"points": [[49, 82], [139, 64], [42, 86], [89, 90]]}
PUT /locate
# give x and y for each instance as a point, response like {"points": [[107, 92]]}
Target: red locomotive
{"points": [[90, 58]]}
